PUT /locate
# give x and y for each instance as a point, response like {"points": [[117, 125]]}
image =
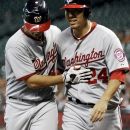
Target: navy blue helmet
{"points": [[36, 15]]}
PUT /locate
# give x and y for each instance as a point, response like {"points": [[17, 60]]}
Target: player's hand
{"points": [[76, 74], [99, 110]]}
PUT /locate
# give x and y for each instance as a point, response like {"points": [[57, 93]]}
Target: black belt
{"points": [[91, 105], [77, 101], [32, 102]]}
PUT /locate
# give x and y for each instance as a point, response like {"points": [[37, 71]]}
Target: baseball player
{"points": [[30, 57], [93, 105]]}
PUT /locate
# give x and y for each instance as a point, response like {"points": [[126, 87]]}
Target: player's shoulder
{"points": [[105, 31], [107, 35], [66, 33], [54, 29], [52, 33], [15, 40]]}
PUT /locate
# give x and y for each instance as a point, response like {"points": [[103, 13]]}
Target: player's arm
{"points": [[40, 81], [71, 76], [115, 81], [100, 108]]}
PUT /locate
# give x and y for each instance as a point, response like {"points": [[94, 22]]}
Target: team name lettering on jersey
{"points": [[51, 55], [84, 58], [41, 64]]}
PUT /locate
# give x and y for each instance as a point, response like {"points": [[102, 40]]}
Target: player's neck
{"points": [[84, 30]]}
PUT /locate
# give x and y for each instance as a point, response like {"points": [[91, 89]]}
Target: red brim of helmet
{"points": [[72, 6], [37, 27]]}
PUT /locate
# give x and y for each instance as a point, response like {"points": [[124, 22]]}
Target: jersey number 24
{"points": [[102, 76]]}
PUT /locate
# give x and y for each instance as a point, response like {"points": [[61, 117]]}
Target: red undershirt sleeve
{"points": [[119, 75]]}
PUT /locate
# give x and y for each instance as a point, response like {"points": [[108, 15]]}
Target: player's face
{"points": [[75, 17]]}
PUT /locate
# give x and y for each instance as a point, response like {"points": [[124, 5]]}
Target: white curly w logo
{"points": [[68, 1]]}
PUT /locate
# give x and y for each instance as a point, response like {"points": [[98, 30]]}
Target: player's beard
{"points": [[38, 36]]}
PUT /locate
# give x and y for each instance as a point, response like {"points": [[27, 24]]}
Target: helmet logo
{"points": [[69, 1], [37, 19]]}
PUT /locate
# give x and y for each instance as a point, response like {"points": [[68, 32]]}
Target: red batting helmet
{"points": [[82, 4], [77, 4]]}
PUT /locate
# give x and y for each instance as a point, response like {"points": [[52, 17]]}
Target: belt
{"points": [[77, 101], [91, 105], [32, 102]]}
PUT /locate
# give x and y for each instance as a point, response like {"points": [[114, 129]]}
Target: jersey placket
{"points": [[44, 43]]}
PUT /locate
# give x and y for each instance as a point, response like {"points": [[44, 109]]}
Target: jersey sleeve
{"points": [[119, 75], [20, 62], [114, 54]]}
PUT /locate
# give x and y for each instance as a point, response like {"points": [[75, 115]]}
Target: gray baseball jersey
{"points": [[99, 50], [24, 57]]}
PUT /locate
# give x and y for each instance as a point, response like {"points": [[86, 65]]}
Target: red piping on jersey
{"points": [[26, 77], [125, 70], [94, 24]]}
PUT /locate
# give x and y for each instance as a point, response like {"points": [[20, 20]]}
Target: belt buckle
{"points": [[74, 100]]}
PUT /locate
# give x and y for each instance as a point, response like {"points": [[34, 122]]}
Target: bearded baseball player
{"points": [[30, 57], [93, 105]]}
